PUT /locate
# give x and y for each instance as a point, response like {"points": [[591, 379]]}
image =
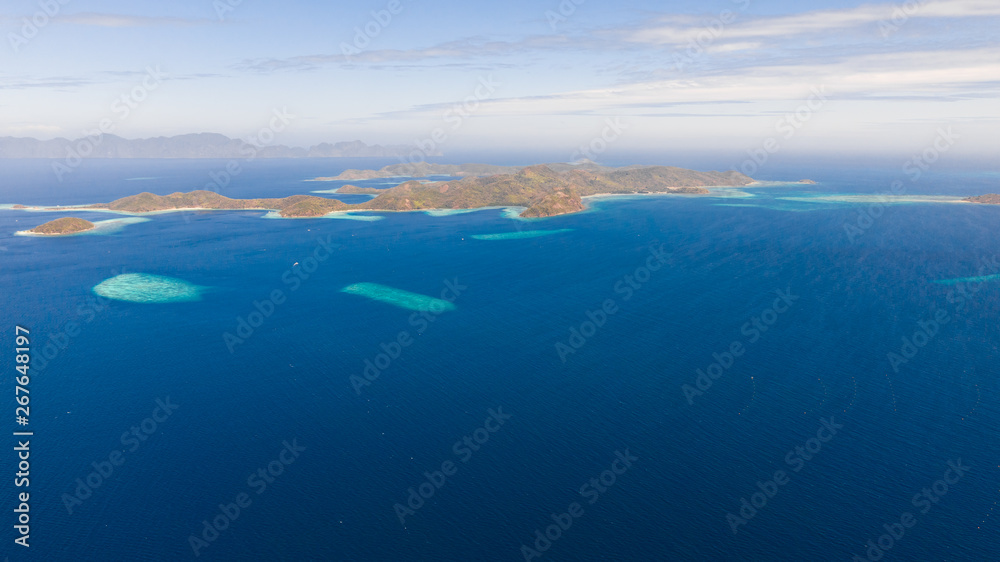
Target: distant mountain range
{"points": [[681, 177], [200, 145]]}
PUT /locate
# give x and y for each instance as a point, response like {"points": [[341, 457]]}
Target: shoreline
{"points": [[508, 209], [263, 209], [45, 235], [109, 226]]}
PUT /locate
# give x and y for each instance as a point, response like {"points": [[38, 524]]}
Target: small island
{"points": [[807, 182], [988, 199], [62, 227]]}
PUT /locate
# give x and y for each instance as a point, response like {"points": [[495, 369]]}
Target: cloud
{"points": [[744, 41], [47, 83], [395, 59], [122, 20], [933, 75], [731, 47], [680, 30]]}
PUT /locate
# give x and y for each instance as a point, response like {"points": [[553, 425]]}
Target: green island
{"points": [[62, 227], [543, 190]]}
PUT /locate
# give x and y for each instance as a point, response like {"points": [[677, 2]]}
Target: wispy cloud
{"points": [[756, 60], [744, 41], [460, 49], [123, 20], [25, 82], [53, 83], [936, 75], [680, 30]]}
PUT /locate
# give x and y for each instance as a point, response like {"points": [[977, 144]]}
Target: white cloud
{"points": [[679, 31], [122, 20], [930, 75], [733, 47]]}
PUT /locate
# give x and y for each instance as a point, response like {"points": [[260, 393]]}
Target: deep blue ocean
{"points": [[821, 353]]}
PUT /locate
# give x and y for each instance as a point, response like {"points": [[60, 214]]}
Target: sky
{"points": [[576, 76]]}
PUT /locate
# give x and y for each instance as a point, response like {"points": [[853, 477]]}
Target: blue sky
{"points": [[674, 75]]}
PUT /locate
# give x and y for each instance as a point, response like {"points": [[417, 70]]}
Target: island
{"points": [[543, 190], [62, 227], [294, 206], [355, 190], [988, 199], [807, 182], [426, 170], [421, 170]]}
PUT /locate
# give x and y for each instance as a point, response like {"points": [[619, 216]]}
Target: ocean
{"points": [[780, 374]]}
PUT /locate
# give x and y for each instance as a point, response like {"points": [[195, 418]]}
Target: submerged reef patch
{"points": [[398, 297], [148, 289]]}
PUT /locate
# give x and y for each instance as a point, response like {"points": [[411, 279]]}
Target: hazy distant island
{"points": [[62, 227], [544, 190], [988, 199], [355, 190], [807, 182], [199, 145], [427, 169]]}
